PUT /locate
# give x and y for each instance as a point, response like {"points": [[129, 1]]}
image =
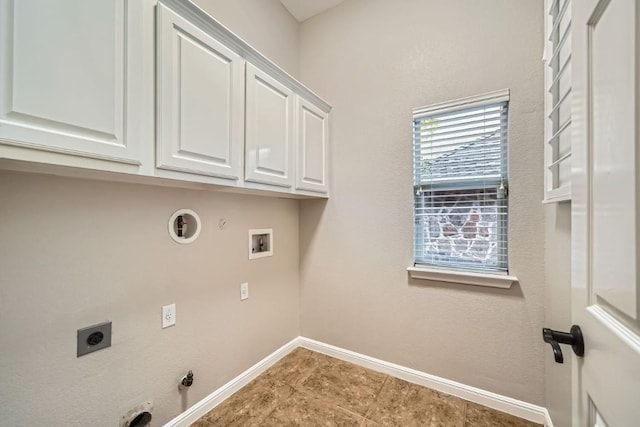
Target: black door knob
{"points": [[573, 338]]}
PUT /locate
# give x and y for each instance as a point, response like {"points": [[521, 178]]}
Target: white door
{"points": [[269, 126], [312, 145], [200, 100], [606, 211], [65, 77]]}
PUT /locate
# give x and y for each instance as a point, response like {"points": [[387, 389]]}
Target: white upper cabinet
{"points": [[312, 145], [269, 130], [152, 89], [200, 100], [65, 77]]}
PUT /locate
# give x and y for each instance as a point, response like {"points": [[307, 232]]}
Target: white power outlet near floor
{"points": [[168, 315], [244, 291]]}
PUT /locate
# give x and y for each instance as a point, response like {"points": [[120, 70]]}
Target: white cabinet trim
{"points": [[205, 22]]}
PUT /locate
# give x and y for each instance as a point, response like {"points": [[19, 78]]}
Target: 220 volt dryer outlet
{"points": [[93, 338]]}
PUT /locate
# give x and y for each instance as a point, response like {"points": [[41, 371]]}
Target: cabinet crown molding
{"points": [[208, 24]]}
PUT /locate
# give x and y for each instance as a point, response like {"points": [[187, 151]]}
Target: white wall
{"points": [[374, 60], [76, 252], [558, 309], [265, 24]]}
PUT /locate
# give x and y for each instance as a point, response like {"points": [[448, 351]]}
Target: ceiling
{"points": [[305, 9]]}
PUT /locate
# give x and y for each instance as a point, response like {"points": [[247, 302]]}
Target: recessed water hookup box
{"points": [[260, 243]]}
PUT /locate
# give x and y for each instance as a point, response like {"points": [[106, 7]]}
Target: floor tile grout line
{"points": [[375, 399], [299, 387], [464, 413]]}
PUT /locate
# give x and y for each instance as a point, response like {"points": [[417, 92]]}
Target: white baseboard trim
{"points": [[521, 409], [205, 405], [547, 418], [528, 411]]}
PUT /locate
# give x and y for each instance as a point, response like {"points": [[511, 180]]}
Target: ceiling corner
{"points": [[305, 9]]}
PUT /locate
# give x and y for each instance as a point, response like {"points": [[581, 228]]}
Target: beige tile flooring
{"points": [[310, 389]]}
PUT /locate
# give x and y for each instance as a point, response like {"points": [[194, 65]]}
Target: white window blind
{"points": [[460, 184], [558, 101]]}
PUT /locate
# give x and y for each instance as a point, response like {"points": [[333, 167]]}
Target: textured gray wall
{"points": [[558, 309], [375, 60], [264, 24], [77, 252]]}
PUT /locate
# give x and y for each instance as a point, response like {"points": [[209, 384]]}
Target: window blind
{"points": [[460, 184], [558, 102]]}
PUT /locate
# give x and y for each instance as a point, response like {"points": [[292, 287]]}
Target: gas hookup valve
{"points": [[187, 380]]}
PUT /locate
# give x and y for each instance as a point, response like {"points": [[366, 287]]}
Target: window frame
{"points": [[498, 276]]}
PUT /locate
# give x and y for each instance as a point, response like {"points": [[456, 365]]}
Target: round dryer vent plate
{"points": [[184, 226]]}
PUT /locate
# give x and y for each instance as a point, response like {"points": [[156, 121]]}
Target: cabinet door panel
{"points": [[200, 107], [269, 126], [63, 77], [313, 134]]}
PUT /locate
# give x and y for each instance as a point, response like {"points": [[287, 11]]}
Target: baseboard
{"points": [[214, 399], [521, 409], [528, 411], [547, 417]]}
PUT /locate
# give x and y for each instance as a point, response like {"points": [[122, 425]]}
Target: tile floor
{"points": [[310, 389]]}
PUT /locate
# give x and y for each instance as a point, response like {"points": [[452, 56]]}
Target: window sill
{"points": [[465, 278]]}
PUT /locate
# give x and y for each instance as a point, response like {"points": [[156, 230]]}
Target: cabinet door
{"points": [[200, 100], [312, 147], [63, 77], [269, 127]]}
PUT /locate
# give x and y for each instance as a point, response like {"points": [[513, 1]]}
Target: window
{"points": [[557, 56], [460, 184]]}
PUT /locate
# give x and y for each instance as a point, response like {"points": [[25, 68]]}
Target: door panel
{"points": [[64, 77], [312, 138], [201, 101], [613, 156], [269, 127], [605, 211], [202, 71]]}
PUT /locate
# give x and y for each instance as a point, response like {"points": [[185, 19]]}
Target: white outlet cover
{"points": [[244, 291], [168, 315]]}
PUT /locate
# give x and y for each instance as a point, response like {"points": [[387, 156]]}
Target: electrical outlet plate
{"points": [[168, 315], [93, 338], [244, 291]]}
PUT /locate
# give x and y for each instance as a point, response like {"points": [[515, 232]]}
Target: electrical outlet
{"points": [[168, 315], [94, 338], [244, 291]]}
